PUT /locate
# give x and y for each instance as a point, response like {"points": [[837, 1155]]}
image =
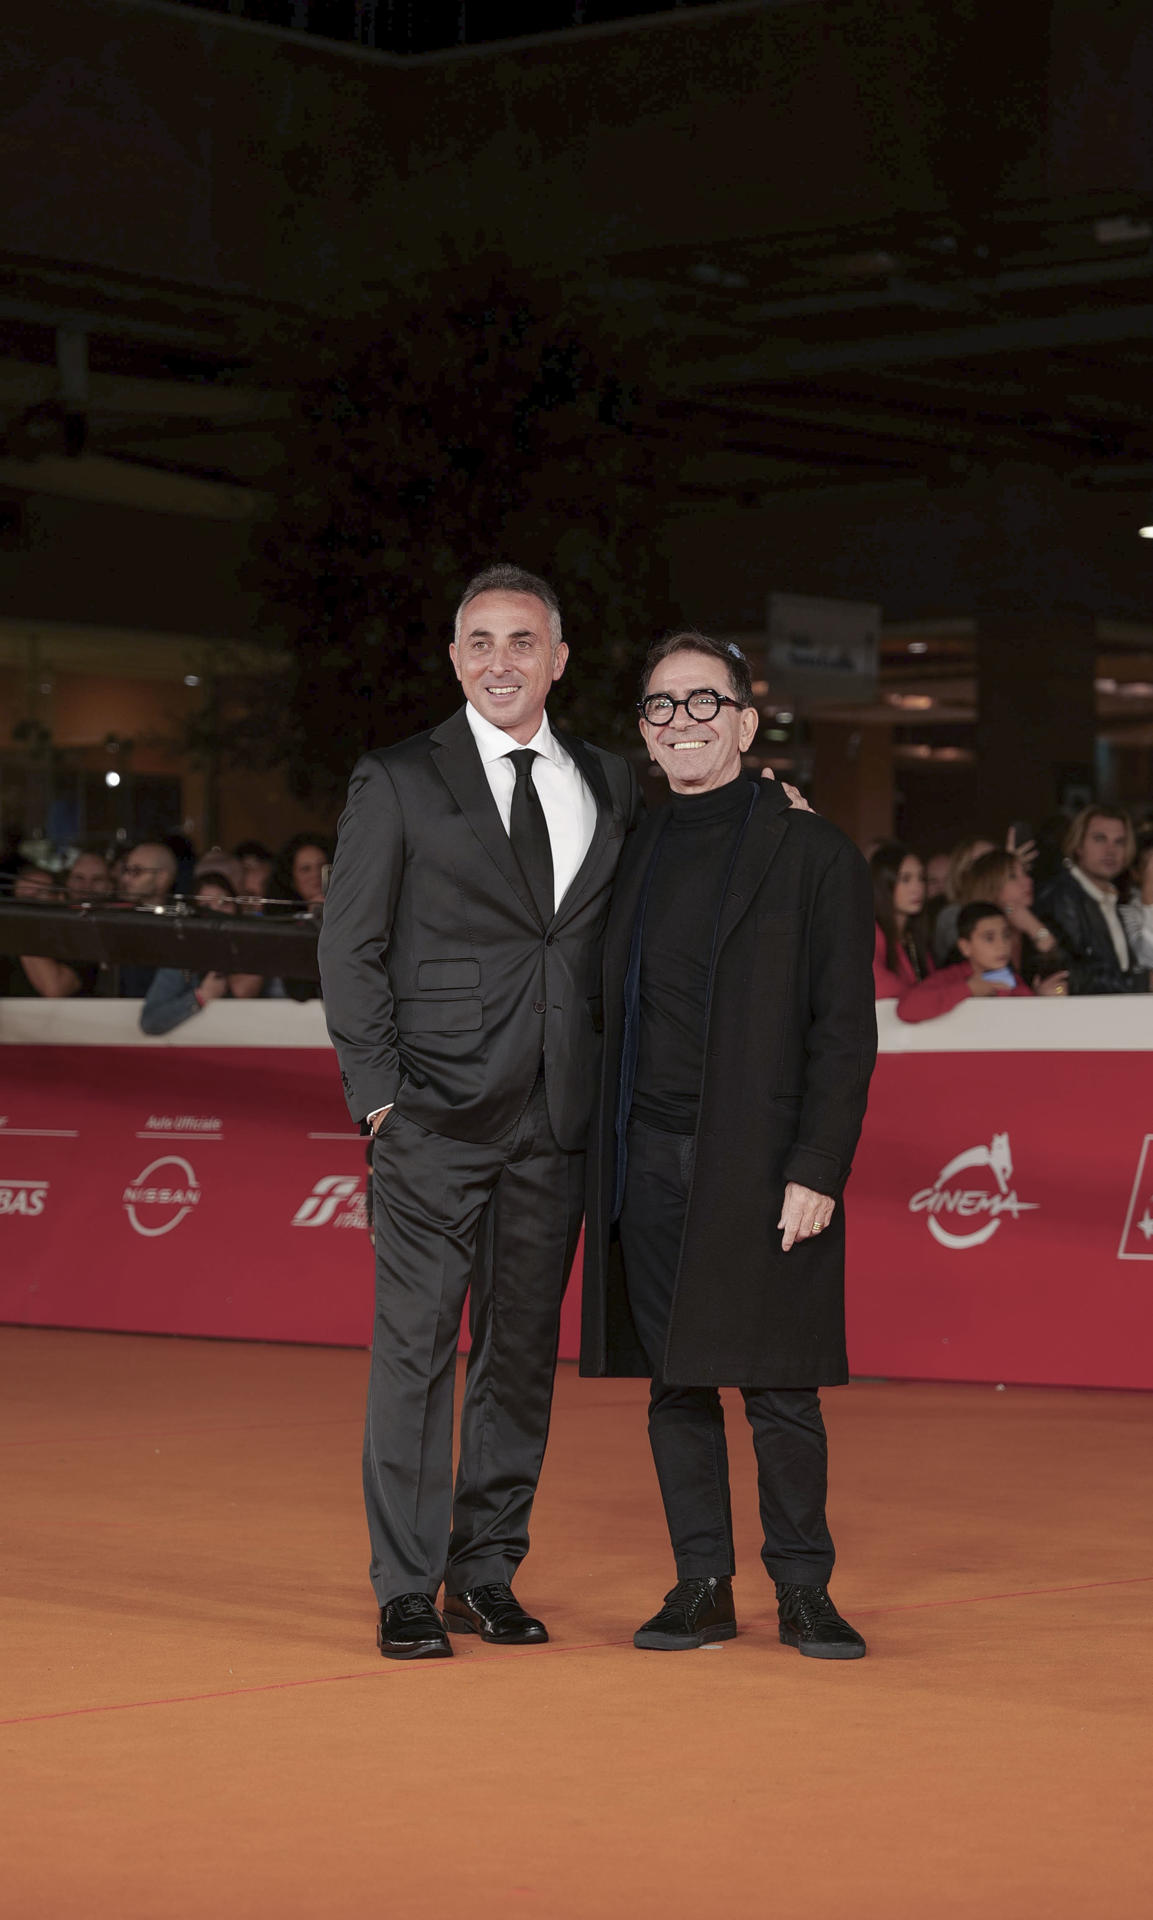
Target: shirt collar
{"points": [[494, 744], [1099, 890]]}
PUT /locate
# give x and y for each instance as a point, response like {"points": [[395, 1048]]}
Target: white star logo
{"points": [[1145, 1224]]}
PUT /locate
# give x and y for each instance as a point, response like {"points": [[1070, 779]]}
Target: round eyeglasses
{"points": [[702, 704]]}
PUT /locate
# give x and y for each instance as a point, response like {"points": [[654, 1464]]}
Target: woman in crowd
{"points": [[945, 924], [174, 995], [901, 957], [1000, 876], [298, 883]]}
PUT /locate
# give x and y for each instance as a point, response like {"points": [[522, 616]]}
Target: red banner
{"points": [[1001, 1220], [1001, 1211], [214, 1190]]}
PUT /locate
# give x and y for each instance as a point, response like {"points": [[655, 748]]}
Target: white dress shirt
{"points": [[1106, 898], [569, 808]]}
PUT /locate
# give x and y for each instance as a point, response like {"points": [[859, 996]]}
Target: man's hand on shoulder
{"points": [[796, 797], [803, 1214]]}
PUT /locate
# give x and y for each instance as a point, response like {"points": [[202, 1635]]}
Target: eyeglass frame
{"points": [[722, 700]]}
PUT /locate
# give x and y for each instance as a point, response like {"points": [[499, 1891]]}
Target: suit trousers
{"points": [[687, 1424], [503, 1218]]}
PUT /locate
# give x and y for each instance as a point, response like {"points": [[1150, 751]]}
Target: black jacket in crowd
{"points": [[1083, 932]]}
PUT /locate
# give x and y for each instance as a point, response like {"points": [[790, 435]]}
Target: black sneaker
{"points": [[695, 1613], [810, 1622]]}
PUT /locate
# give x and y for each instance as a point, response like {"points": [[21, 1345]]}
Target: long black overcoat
{"points": [[791, 1042]]}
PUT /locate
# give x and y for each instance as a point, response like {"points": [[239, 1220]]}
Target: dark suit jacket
{"points": [[790, 1045], [1083, 931], [441, 983]]}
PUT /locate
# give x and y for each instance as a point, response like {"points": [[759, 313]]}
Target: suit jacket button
{"points": [[549, 939], [538, 1006]]}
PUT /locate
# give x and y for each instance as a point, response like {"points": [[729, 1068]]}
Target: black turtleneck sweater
{"points": [[684, 902]]}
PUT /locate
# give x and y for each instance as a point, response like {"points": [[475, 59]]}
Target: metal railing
{"points": [[433, 26]]}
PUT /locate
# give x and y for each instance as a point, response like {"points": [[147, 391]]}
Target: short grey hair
{"points": [[507, 579]]}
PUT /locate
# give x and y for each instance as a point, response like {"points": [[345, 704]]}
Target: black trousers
{"points": [[687, 1424], [503, 1218]]}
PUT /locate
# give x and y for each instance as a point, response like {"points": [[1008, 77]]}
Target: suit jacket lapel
{"points": [[758, 849], [462, 770], [588, 873]]}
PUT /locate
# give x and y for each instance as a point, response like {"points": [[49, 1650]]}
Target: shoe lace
{"points": [[688, 1595], [808, 1604], [414, 1606], [495, 1597]]}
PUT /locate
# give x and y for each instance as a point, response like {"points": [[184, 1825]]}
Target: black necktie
{"points": [[528, 831]]}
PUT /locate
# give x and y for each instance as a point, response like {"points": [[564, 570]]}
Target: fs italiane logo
{"points": [[336, 1200], [988, 1205]]}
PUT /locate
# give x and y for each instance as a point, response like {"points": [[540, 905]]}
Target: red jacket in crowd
{"points": [[946, 989], [890, 985]]}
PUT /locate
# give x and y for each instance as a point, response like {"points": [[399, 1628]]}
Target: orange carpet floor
{"points": [[196, 1722]]}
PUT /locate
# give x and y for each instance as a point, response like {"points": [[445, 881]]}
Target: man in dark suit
{"points": [[460, 959], [740, 1035]]}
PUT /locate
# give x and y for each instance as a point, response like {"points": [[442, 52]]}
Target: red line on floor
{"points": [[588, 1646]]}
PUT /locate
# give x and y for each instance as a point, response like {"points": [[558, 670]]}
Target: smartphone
{"points": [[1000, 976]]}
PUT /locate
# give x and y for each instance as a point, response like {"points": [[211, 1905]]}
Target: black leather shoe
{"points": [[412, 1629], [810, 1622], [495, 1613], [695, 1613]]}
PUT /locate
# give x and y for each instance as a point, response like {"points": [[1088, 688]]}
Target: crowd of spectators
{"points": [[970, 923], [953, 925], [168, 874]]}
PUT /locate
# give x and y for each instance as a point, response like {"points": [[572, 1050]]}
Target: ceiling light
{"points": [[918, 646], [1146, 533], [1136, 689], [112, 779], [1105, 686], [786, 719], [911, 702], [760, 686], [192, 679]]}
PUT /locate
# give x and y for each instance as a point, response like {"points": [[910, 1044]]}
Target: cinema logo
{"points": [[337, 1200], [163, 1195], [988, 1204], [24, 1198]]}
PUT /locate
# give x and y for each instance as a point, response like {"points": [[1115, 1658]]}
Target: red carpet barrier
{"points": [[1001, 1209]]}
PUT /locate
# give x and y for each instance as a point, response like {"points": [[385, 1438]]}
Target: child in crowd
{"points": [[985, 940]]}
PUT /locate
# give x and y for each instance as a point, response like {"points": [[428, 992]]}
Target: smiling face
{"points": [[697, 755], [506, 662]]}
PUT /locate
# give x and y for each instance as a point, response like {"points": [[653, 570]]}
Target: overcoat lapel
{"points": [[627, 890], [462, 770], [759, 847]]}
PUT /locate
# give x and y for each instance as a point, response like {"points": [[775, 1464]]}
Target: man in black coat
{"points": [[740, 1037], [1081, 904], [460, 959]]}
